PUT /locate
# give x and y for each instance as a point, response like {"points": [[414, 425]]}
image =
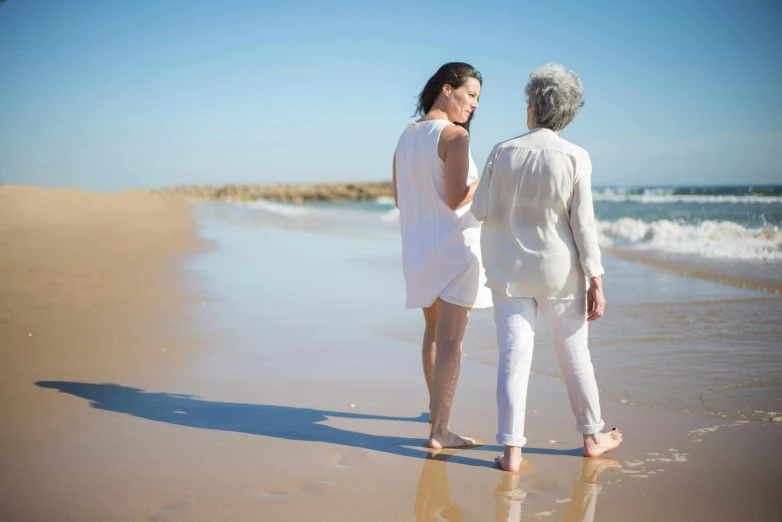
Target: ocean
{"points": [[732, 234], [727, 233]]}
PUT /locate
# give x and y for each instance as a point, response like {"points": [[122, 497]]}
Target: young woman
{"points": [[434, 182]]}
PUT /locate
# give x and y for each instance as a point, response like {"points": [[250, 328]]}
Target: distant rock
{"points": [[294, 193]]}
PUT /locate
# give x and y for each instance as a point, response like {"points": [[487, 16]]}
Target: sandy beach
{"points": [[89, 289], [169, 362]]}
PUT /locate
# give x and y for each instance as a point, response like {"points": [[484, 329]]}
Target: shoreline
{"points": [[753, 276]]}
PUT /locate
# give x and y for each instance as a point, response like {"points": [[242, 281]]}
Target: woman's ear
{"points": [[447, 89]]}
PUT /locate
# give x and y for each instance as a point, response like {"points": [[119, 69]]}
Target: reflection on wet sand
{"points": [[433, 498], [581, 508], [508, 496]]}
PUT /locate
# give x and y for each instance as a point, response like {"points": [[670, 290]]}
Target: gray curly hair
{"points": [[556, 94]]}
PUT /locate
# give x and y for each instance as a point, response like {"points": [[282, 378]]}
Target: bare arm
{"points": [[469, 193], [455, 144], [393, 183]]}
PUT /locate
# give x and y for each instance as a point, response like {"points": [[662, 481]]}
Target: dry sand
{"points": [[97, 281], [89, 286]]}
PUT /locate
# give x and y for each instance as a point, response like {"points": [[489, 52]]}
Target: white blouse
{"points": [[538, 237]]}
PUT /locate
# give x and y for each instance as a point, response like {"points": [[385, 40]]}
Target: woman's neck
{"points": [[436, 114], [536, 126]]}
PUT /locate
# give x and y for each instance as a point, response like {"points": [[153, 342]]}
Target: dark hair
{"points": [[453, 74]]}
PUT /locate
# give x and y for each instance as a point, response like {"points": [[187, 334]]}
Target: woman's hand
{"points": [[596, 302]]}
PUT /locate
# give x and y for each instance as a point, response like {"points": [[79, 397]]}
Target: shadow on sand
{"points": [[282, 422]]}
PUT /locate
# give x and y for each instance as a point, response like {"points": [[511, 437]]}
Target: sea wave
{"points": [[709, 239], [283, 210], [334, 218], [657, 196]]}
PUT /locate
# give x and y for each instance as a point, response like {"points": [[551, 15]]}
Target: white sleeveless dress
{"points": [[441, 255]]}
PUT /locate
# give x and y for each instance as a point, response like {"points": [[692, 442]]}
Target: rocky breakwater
{"points": [[293, 193]]}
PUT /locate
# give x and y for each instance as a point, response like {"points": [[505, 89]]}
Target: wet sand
{"points": [[756, 275], [218, 387]]}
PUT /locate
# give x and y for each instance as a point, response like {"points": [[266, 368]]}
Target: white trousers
{"points": [[566, 319]]}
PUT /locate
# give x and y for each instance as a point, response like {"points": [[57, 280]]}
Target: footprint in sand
{"points": [[353, 458], [311, 487], [316, 487], [169, 510]]}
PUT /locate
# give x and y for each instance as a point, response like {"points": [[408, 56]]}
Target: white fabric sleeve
{"points": [[582, 219], [480, 200]]}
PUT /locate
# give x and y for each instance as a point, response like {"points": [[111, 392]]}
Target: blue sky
{"points": [[113, 95]]}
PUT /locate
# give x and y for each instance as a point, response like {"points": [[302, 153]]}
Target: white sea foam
{"points": [[385, 200], [279, 209], [335, 217], [709, 239], [667, 196]]}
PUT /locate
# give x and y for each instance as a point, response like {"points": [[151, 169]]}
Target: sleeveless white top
{"points": [[440, 247]]}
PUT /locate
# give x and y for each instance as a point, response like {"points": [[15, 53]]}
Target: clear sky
{"points": [[112, 95]]}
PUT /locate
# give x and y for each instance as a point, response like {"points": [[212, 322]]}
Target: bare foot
{"points": [[511, 459], [592, 468], [451, 440], [598, 443]]}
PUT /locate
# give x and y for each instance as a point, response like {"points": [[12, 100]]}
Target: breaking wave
{"points": [[661, 195], [709, 239]]}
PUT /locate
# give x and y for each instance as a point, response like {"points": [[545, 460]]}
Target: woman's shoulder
{"points": [[415, 126], [453, 132]]}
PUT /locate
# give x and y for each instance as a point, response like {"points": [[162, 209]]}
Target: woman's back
{"points": [[539, 236], [432, 233]]}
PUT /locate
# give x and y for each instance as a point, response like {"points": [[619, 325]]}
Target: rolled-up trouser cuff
{"points": [[589, 429], [510, 440]]}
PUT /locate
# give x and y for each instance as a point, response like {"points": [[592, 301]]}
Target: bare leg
{"points": [[449, 332], [428, 349]]}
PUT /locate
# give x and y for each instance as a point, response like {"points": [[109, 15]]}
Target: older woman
{"points": [[539, 248]]}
